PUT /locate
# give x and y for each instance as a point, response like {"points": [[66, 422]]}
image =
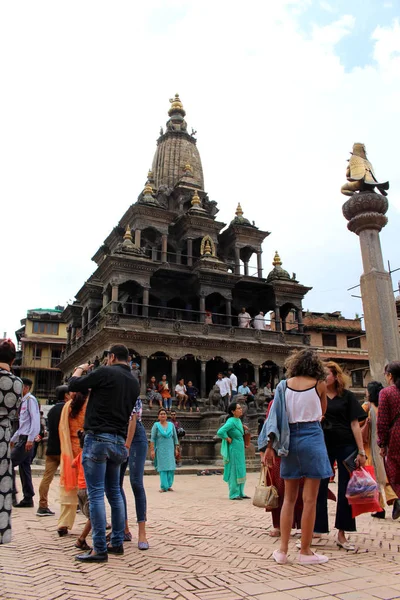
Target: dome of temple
{"points": [[176, 149], [239, 218], [277, 272]]}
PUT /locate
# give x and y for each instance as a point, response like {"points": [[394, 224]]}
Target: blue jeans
{"points": [[167, 403], [102, 456], [137, 459]]}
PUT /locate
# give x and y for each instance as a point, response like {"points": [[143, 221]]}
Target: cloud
{"points": [[276, 114]]}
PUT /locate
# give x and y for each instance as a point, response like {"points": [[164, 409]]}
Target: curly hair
{"points": [[305, 363], [342, 380]]}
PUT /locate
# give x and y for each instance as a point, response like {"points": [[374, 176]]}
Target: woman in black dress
{"points": [[342, 437]]}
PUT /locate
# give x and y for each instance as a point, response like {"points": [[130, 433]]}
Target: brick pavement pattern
{"points": [[202, 547]]}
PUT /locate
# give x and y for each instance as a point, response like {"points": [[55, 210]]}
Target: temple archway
{"points": [[213, 367], [216, 304], [130, 295], [269, 373], [244, 371], [159, 364], [189, 368]]}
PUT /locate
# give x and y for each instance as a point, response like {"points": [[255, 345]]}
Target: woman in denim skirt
{"points": [[293, 430]]}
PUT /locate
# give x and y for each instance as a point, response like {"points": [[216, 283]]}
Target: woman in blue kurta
{"points": [[164, 446], [232, 450]]}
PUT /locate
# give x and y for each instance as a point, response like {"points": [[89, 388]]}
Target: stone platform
{"points": [[202, 547]]}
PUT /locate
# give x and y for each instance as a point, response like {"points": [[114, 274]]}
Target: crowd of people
{"points": [[95, 431], [314, 423]]}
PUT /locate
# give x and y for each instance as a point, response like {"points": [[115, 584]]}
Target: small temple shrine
{"points": [[171, 280]]}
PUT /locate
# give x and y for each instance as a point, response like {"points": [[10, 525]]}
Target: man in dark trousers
{"points": [[53, 452], [22, 444], [114, 391]]}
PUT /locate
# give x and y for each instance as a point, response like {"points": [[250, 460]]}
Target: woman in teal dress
{"points": [[232, 450], [164, 447]]}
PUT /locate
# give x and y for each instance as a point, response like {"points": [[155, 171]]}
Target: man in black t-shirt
{"points": [[114, 391]]}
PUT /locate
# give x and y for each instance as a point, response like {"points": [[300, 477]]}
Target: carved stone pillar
{"points": [[73, 333], [228, 308], [137, 237], [179, 257], [143, 369], [154, 253], [246, 267], [365, 212], [84, 320], [190, 252], [277, 319], [69, 335], [105, 299], [257, 375], [259, 264], [173, 375], [203, 391], [114, 297], [299, 315], [202, 308], [90, 316], [164, 246], [237, 261], [145, 310]]}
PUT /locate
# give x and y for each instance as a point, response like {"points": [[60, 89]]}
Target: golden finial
{"points": [[239, 211], [277, 260], [176, 105], [147, 189], [150, 175], [128, 234], [207, 248], [195, 199], [188, 167]]}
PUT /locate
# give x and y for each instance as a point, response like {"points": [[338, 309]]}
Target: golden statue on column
{"points": [[360, 174]]}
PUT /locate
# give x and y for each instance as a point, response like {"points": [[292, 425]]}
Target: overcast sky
{"points": [[277, 91]]}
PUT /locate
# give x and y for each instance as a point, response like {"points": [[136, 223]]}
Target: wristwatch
{"points": [[362, 453]]}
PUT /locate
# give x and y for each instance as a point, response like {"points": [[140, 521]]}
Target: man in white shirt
{"points": [[224, 385], [259, 321], [233, 380], [22, 444], [244, 319]]}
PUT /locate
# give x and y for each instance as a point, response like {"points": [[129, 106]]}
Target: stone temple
{"points": [[167, 265]]}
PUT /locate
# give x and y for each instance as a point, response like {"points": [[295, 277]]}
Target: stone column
{"points": [[237, 261], [73, 333], [90, 316], [299, 315], [143, 369], [114, 297], [202, 308], [138, 234], [189, 252], [365, 212], [173, 375], [145, 309], [69, 335], [277, 319], [228, 305], [105, 299], [203, 391], [164, 246], [257, 375], [246, 267], [179, 257], [154, 253], [84, 321], [259, 264]]}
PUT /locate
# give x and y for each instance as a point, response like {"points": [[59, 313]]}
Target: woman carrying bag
{"points": [[293, 430], [232, 450]]}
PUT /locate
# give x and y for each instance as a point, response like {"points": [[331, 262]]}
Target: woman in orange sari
{"points": [[71, 421]]}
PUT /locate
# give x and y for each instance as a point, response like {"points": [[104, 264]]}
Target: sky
{"points": [[277, 91]]}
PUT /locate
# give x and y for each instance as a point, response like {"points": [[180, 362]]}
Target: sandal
{"points": [[82, 545], [346, 545]]}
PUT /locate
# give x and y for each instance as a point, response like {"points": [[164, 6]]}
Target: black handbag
{"points": [[350, 461]]}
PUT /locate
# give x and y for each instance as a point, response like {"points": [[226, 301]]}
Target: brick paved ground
{"points": [[203, 547]]}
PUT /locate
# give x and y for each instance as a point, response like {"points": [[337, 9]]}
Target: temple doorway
{"points": [[189, 369], [244, 371], [269, 373], [159, 364], [213, 367]]}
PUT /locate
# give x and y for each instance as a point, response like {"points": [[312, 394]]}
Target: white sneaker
{"points": [[312, 559], [279, 557]]}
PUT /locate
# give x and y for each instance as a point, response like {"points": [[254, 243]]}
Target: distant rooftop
{"points": [[57, 309]]}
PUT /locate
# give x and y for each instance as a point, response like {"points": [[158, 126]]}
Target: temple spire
{"points": [[196, 202], [239, 211], [176, 106]]}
